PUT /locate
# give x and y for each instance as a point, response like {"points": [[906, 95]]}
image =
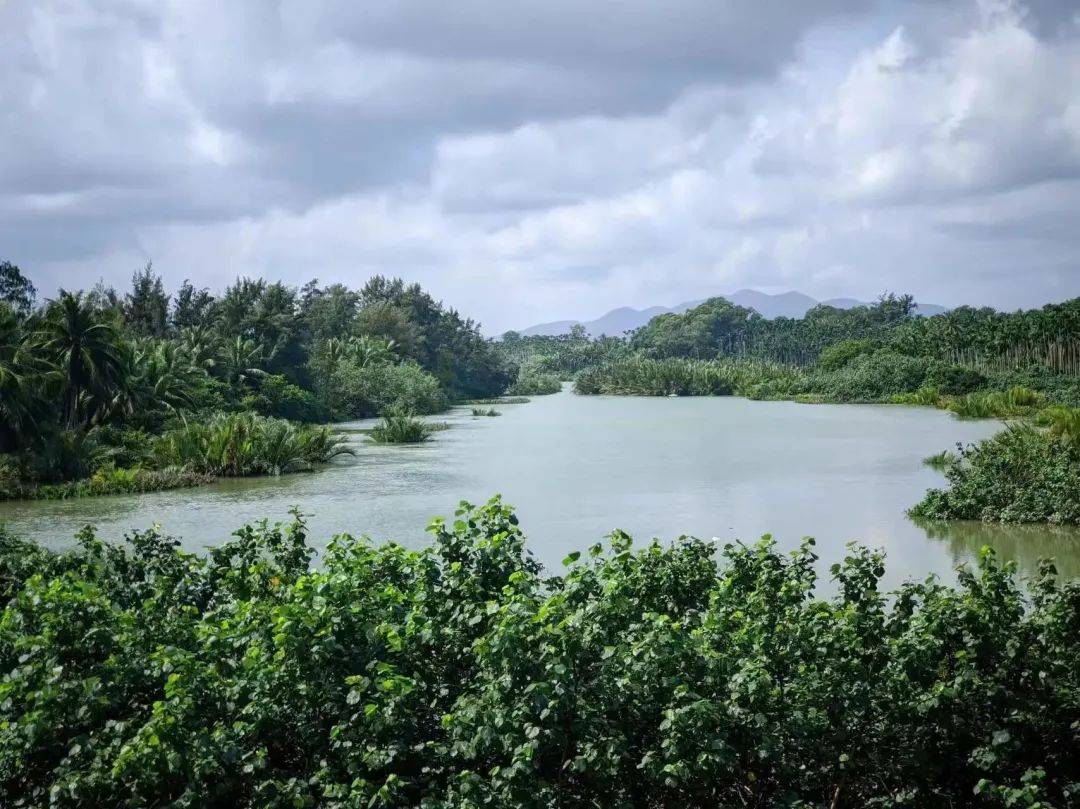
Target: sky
{"points": [[542, 160]]}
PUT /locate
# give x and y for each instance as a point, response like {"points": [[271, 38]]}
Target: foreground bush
{"points": [[1020, 475], [462, 676], [241, 444]]}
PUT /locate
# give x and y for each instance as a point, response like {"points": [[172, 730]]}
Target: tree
{"points": [[15, 393], [146, 307], [85, 350], [15, 289], [194, 308]]}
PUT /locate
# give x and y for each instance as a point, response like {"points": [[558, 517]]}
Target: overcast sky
{"points": [[530, 161]]}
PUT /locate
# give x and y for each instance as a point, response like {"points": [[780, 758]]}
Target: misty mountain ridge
{"points": [[784, 304]]}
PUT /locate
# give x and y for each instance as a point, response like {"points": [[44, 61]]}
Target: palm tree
{"points": [[15, 392], [241, 361], [366, 350], [85, 349]]}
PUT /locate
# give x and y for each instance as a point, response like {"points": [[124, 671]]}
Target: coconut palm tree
{"points": [[15, 392], [241, 361], [85, 350]]}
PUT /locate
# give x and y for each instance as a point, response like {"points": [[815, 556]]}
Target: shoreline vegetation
{"points": [[108, 393], [103, 393], [465, 675]]}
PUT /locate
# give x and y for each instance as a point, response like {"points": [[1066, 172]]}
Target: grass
{"points": [[491, 411], [108, 481], [941, 460]]}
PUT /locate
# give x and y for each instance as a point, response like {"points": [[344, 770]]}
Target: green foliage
{"points": [[16, 290], [242, 444], [355, 391], [479, 411], [531, 381], [400, 426], [1017, 401], [1020, 475], [563, 355], [462, 676], [649, 377], [89, 367], [1064, 424], [837, 355], [872, 378], [941, 460], [104, 481], [279, 398]]}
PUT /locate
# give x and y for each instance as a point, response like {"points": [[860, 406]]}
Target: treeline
{"points": [[1046, 338], [967, 360], [89, 380], [463, 675]]}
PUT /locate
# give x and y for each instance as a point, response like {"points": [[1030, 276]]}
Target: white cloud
{"points": [[922, 149]]}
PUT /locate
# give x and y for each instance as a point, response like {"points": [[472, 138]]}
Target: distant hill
{"points": [[784, 304]]}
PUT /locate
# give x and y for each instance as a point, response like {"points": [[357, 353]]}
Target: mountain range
{"points": [[784, 304]]}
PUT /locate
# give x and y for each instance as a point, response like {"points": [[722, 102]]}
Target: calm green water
{"points": [[577, 467]]}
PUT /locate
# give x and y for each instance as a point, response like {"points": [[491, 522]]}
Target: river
{"points": [[577, 467]]}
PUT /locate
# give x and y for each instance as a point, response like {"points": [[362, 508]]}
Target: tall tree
{"points": [[85, 350], [15, 289], [193, 308], [146, 307]]}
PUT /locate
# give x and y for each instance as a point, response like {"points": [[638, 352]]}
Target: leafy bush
{"points": [[954, 380], [531, 381], [360, 392], [462, 676], [1019, 475], [241, 444], [872, 378], [279, 398], [839, 354], [399, 426]]}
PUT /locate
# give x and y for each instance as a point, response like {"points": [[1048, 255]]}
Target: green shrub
{"points": [[360, 392], [479, 411], [1020, 475], [279, 398], [242, 444], [399, 426], [839, 354], [461, 675], [872, 378], [531, 381], [953, 380]]}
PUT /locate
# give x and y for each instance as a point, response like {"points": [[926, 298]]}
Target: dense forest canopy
{"points": [[88, 377]]}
